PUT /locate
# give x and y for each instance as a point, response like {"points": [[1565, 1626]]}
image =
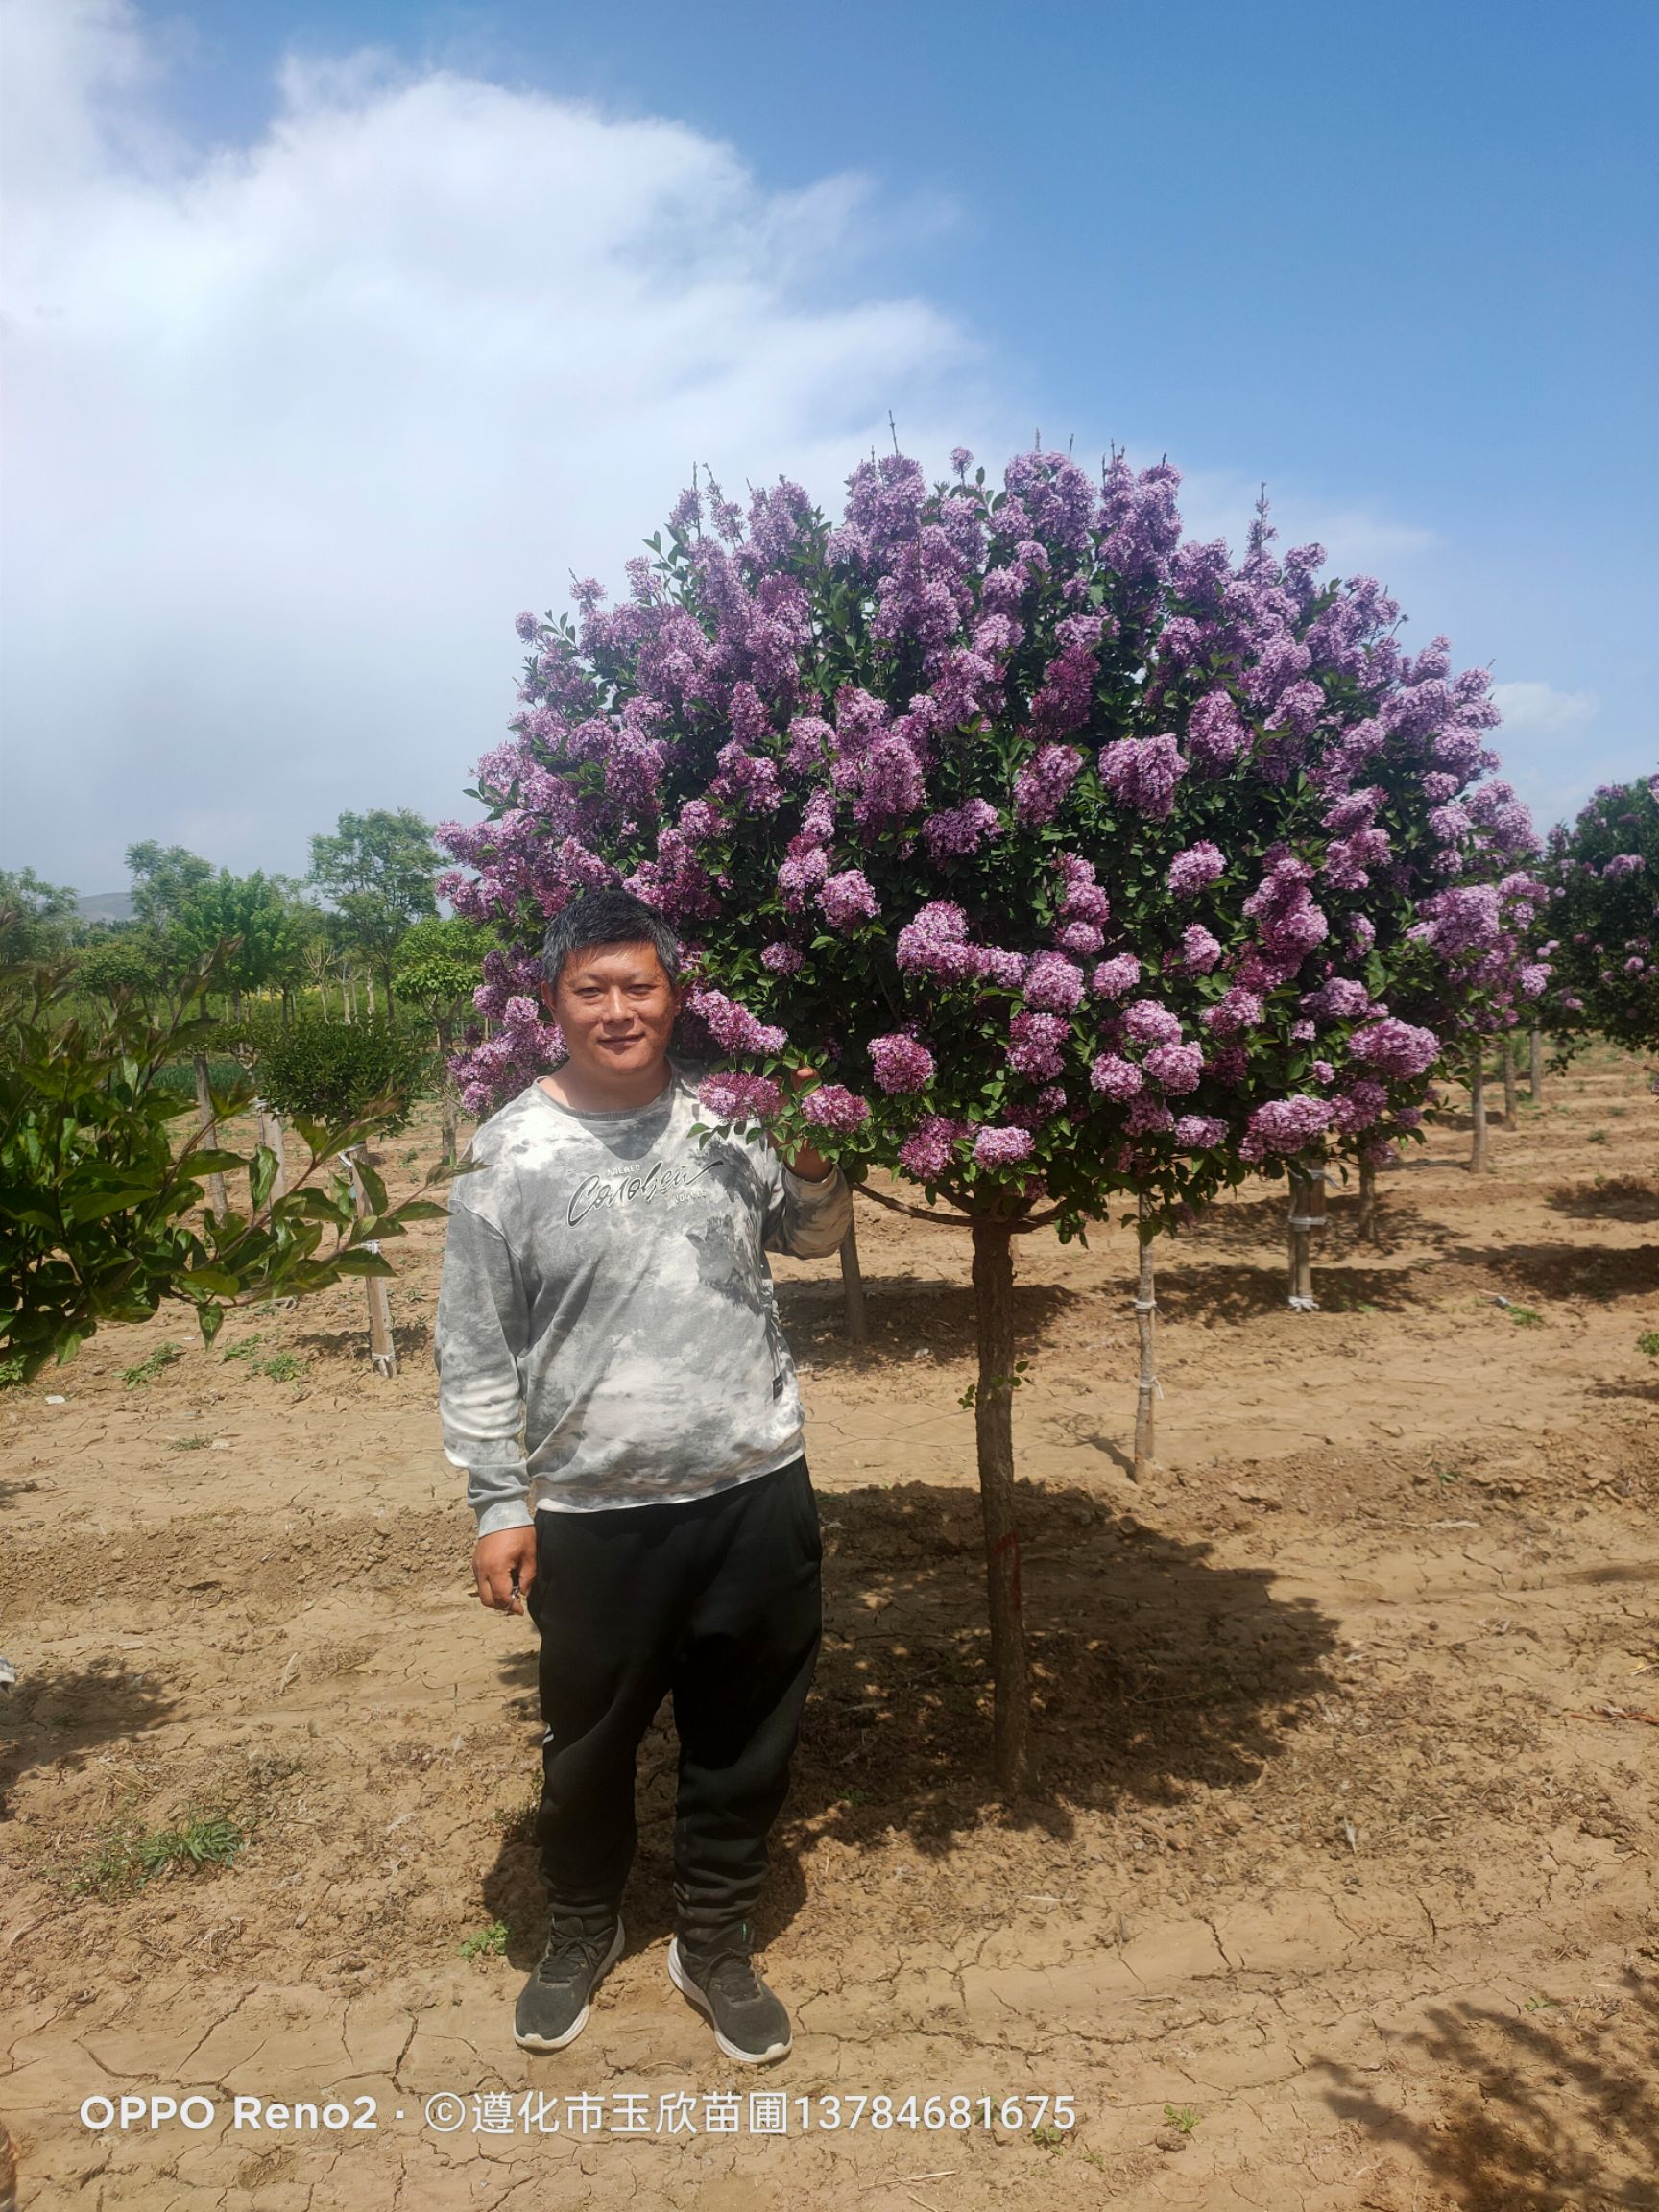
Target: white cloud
{"points": [[1539, 709], [296, 428]]}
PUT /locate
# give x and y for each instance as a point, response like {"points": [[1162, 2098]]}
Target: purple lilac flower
{"points": [[1338, 998], [1284, 1125], [1148, 1117], [1036, 1046], [1200, 950], [1324, 1073], [832, 1106], [1006, 970], [1143, 772], [926, 1151], [995, 1148], [1177, 1067], [1151, 1023], [1215, 733], [733, 1028], [1080, 937], [1053, 984], [900, 1064], [1624, 864], [738, 1097], [1193, 870], [847, 899], [1041, 786], [1113, 977], [1360, 1104], [1199, 1132], [959, 829], [1081, 898], [782, 960], [1394, 1047], [526, 626], [936, 944], [801, 873], [1234, 1012], [1533, 979], [1116, 1076], [1051, 1100]]}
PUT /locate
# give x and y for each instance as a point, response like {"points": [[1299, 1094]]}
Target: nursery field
{"points": [[1338, 1890]]}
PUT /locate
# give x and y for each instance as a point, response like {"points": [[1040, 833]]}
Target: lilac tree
{"points": [[1083, 862], [1602, 919]]}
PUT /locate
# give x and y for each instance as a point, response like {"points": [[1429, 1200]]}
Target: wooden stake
{"points": [[852, 1284], [1510, 1082], [1146, 1390], [994, 1433], [1477, 1110], [382, 1351], [1306, 1191], [1535, 1046], [207, 1132]]}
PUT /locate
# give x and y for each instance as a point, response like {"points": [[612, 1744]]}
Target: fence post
{"points": [[382, 1351]]}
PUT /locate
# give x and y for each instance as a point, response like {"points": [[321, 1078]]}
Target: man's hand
{"points": [[812, 1165], [504, 1567]]}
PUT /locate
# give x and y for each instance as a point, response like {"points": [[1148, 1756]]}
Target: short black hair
{"points": [[607, 918]]}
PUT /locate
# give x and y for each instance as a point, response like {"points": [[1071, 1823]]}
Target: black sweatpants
{"points": [[716, 1600]]}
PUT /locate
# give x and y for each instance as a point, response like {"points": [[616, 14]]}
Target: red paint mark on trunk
{"points": [[1010, 1542]]}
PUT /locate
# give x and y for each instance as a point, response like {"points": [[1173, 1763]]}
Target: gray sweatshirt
{"points": [[606, 1328]]}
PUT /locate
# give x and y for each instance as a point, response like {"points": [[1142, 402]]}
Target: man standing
{"points": [[614, 1378]]}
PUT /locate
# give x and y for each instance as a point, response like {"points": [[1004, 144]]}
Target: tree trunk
{"points": [[1367, 1202], [382, 1351], [206, 1133], [1306, 1191], [1478, 1112], [270, 1126], [1535, 1071], [287, 1005], [1146, 1308], [1508, 1082], [386, 980], [447, 1099], [369, 993], [993, 1432], [852, 1284]]}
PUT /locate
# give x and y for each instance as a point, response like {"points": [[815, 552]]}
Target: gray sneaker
{"points": [[554, 2003], [750, 2024]]}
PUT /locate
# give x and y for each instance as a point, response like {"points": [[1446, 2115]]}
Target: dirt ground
{"points": [[1338, 1890]]}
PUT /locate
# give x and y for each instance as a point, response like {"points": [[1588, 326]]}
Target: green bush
{"points": [[335, 1070]]}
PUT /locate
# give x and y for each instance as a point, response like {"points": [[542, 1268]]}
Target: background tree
{"points": [[439, 966], [46, 915], [1081, 860], [164, 877], [254, 916], [377, 870], [133, 962], [100, 1210], [1602, 919]]}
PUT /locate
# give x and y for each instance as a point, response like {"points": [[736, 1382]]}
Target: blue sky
{"points": [[1396, 260]]}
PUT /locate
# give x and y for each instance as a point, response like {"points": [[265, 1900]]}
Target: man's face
{"points": [[617, 1007]]}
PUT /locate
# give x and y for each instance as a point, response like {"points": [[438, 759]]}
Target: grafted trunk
{"points": [[382, 1351], [852, 1284], [1146, 1390], [207, 1132], [1367, 1202], [1508, 1082], [270, 1126], [1535, 1071], [993, 1433], [1306, 1214], [1478, 1112]]}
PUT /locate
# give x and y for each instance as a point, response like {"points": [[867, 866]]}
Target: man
{"points": [[612, 1377]]}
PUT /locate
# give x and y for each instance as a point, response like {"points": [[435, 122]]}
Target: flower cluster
{"points": [[1590, 965], [1179, 863]]}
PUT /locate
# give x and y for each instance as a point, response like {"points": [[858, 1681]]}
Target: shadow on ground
{"points": [[1552, 2108], [1566, 1270], [1613, 1198], [910, 1314], [1153, 1668], [1200, 1290], [62, 1716]]}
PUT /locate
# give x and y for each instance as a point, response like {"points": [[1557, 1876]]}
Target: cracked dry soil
{"points": [[1338, 1888]]}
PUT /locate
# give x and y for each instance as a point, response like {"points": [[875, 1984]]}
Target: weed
{"points": [[1526, 1316], [485, 1942], [1049, 2138], [11, 1372], [970, 1396], [147, 1370], [1648, 1343], [1596, 1137], [854, 1797], [1543, 2005], [1445, 1475], [285, 1367], [1184, 2117], [246, 1350], [128, 1859], [188, 1444]]}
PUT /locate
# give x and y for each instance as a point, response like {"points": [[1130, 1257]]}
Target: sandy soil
{"points": [[1338, 1890]]}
